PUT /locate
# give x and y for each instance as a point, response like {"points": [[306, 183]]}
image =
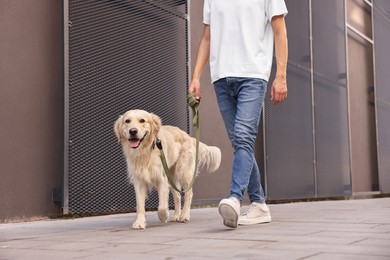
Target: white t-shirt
{"points": [[241, 41]]}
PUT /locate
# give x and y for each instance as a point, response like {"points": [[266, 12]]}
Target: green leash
{"points": [[193, 103]]}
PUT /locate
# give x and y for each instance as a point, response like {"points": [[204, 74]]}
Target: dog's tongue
{"points": [[134, 143]]}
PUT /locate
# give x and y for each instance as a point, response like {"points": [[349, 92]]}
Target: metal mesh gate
{"points": [[119, 55]]}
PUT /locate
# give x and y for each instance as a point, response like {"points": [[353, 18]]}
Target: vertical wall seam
{"points": [[348, 94], [375, 92], [313, 99], [65, 185]]}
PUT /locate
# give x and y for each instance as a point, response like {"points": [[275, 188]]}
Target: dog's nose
{"points": [[133, 131]]}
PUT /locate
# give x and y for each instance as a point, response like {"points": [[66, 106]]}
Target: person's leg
{"points": [[225, 91], [244, 140], [240, 102], [227, 103], [258, 212], [255, 190], [245, 173]]}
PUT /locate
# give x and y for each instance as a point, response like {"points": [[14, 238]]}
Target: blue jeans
{"points": [[240, 101]]}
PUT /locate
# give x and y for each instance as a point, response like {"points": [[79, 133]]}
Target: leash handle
{"points": [[193, 103]]}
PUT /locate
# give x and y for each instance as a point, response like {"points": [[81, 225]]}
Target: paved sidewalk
{"points": [[350, 229]]}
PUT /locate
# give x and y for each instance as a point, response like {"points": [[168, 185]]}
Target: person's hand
{"points": [[195, 88], [279, 90]]}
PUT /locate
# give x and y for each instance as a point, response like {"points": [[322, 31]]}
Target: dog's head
{"points": [[137, 128]]}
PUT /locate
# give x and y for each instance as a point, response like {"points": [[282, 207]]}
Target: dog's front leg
{"points": [[185, 214], [163, 196], [140, 195], [177, 200]]}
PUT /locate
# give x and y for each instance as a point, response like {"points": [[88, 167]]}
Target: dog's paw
{"points": [[185, 218], [175, 218], [163, 215], [139, 225]]}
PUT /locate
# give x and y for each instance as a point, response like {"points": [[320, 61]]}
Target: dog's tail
{"points": [[209, 156]]}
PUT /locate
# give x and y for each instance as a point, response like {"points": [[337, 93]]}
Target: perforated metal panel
{"points": [[307, 145], [382, 64], [122, 55], [288, 126], [331, 102]]}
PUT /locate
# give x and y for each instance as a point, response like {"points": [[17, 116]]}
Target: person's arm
{"points": [[279, 86], [201, 59]]}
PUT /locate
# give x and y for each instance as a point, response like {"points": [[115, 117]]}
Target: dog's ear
{"points": [[156, 123], [117, 127]]}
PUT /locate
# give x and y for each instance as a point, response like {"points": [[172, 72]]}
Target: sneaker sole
{"points": [[229, 215], [254, 221]]}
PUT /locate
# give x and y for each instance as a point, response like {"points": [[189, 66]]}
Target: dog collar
{"points": [[157, 143]]}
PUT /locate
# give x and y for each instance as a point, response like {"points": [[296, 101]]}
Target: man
{"points": [[238, 38]]}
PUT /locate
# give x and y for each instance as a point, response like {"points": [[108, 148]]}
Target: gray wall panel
{"points": [[329, 52], [288, 126], [31, 101], [289, 146], [384, 145], [331, 105], [332, 149], [382, 65], [297, 22], [364, 163]]}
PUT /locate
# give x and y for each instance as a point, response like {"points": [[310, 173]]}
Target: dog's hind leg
{"points": [[140, 195], [163, 196], [184, 169], [177, 200], [185, 214]]}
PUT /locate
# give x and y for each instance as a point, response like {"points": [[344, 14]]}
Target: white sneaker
{"points": [[256, 214], [229, 209]]}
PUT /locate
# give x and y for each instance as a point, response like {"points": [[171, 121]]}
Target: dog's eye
{"points": [[142, 121], [127, 121]]}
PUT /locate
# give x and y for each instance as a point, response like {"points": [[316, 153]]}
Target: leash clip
{"points": [[159, 144]]}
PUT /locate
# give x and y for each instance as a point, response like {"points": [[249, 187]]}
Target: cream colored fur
{"points": [[144, 164]]}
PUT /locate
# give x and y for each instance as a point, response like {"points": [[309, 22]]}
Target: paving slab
{"points": [[342, 229]]}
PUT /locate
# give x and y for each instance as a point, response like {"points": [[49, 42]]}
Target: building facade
{"points": [[69, 68]]}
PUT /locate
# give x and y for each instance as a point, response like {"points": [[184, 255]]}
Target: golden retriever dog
{"points": [[137, 131]]}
